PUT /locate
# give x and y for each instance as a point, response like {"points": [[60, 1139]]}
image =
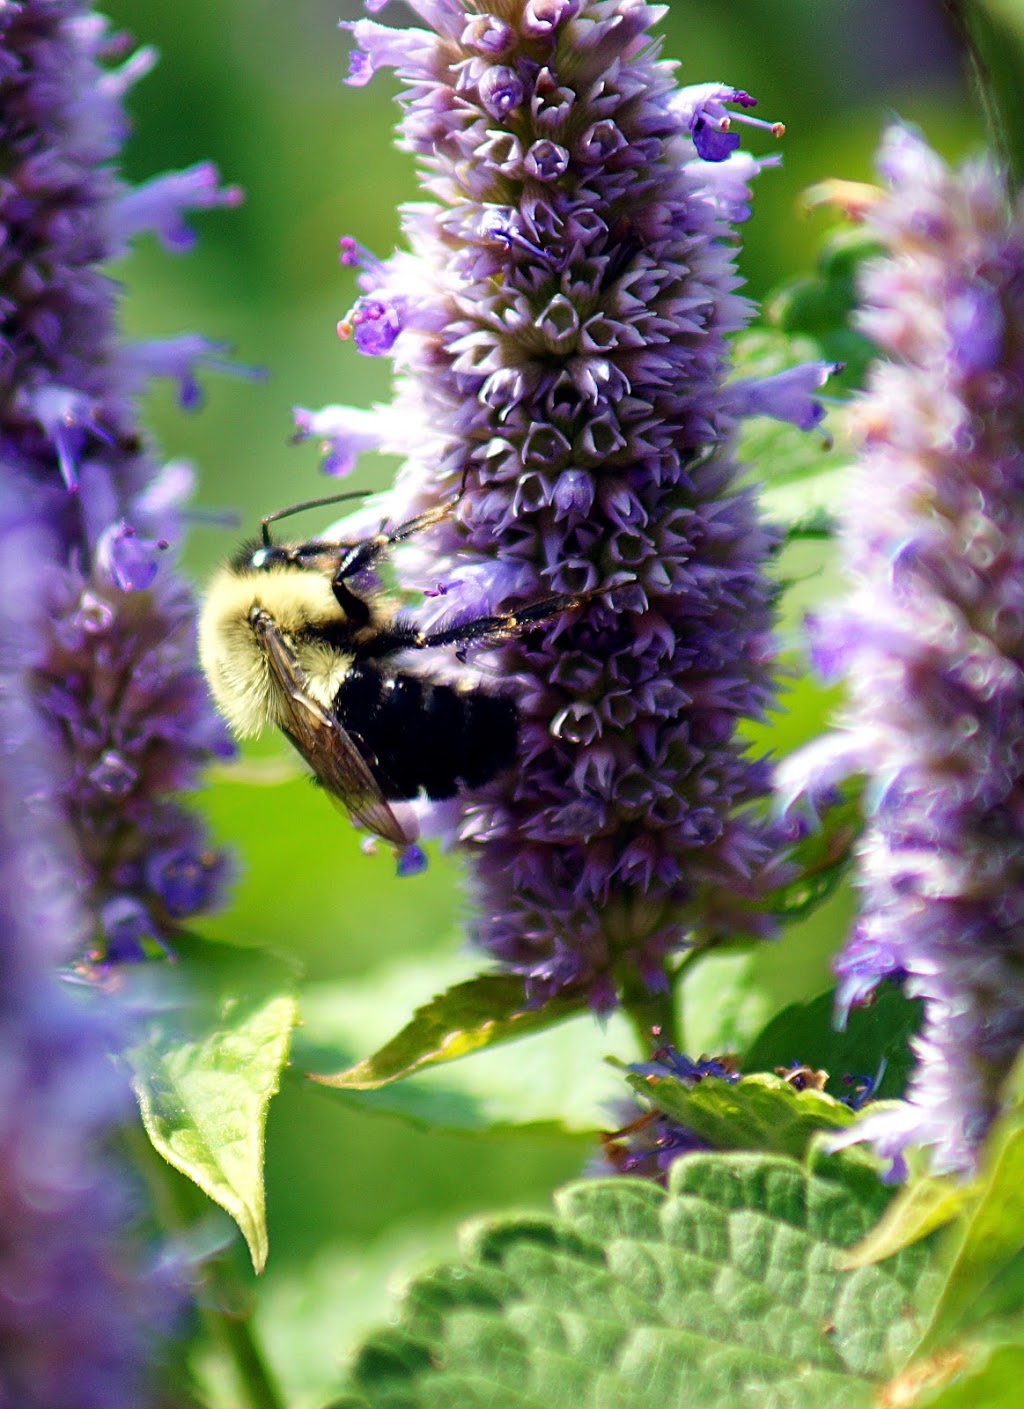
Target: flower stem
{"points": [[653, 1017], [225, 1307], [994, 63], [235, 1335]]}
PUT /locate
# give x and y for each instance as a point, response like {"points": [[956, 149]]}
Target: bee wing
{"points": [[324, 743]]}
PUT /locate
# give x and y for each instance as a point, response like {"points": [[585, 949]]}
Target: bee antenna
{"points": [[307, 504]]}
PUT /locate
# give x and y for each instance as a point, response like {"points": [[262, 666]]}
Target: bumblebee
{"points": [[286, 639]]}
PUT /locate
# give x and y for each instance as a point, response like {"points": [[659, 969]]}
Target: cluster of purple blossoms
{"points": [[113, 670], [560, 326], [930, 639]]}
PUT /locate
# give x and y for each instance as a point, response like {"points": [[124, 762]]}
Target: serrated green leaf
{"points": [[212, 1049], [482, 1012], [759, 1112], [917, 1210], [721, 1292], [989, 1259], [876, 1039]]}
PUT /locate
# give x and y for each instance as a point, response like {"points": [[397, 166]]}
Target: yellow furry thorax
{"points": [[235, 667]]}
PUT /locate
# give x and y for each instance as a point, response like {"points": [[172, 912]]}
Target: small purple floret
{"points": [[501, 91], [375, 326], [710, 122], [159, 204], [412, 861], [125, 559]]}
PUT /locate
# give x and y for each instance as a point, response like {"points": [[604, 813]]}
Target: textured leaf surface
{"points": [[759, 1112], [722, 1291], [482, 1012], [210, 1060], [917, 1210]]}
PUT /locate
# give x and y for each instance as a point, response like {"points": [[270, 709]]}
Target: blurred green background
{"points": [[357, 1197]]}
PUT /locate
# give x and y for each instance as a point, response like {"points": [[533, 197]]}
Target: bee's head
{"points": [[314, 556], [254, 556]]}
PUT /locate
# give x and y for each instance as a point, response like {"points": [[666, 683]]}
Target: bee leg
{"points": [[504, 626], [365, 553]]}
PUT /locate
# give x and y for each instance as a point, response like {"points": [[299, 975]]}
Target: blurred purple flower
{"points": [[113, 658], [561, 327], [931, 639], [83, 1310]]}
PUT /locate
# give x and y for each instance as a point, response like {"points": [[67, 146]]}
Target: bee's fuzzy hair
{"points": [[239, 676]]}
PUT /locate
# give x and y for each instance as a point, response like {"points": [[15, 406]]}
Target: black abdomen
{"points": [[419, 734]]}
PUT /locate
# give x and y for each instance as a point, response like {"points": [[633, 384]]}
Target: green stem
{"points": [[226, 1316], [251, 1370], [652, 1016], [648, 1012], [994, 63]]}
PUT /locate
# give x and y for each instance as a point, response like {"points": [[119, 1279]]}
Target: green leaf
{"points": [[917, 1210], [552, 1080], [809, 509], [991, 1378], [876, 1039], [759, 1112], [722, 1292], [985, 1277], [213, 1045], [820, 306], [822, 858], [482, 1012]]}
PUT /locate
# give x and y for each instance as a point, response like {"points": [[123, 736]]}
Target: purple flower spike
{"points": [[82, 1314], [931, 639], [565, 306], [113, 675]]}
